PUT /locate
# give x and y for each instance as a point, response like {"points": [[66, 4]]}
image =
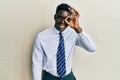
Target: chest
{"points": [[50, 45]]}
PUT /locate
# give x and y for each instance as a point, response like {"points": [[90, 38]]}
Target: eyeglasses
{"points": [[60, 17]]}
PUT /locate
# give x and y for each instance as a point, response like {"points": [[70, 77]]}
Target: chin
{"points": [[61, 27]]}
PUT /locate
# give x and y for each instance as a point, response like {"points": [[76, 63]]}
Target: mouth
{"points": [[61, 27]]}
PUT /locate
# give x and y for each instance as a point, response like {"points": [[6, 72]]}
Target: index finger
{"points": [[72, 10], [76, 11]]}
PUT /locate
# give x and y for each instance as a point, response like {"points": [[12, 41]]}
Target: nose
{"points": [[62, 21]]}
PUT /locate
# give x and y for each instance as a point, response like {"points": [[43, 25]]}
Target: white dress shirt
{"points": [[45, 49]]}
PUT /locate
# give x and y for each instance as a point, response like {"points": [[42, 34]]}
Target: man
{"points": [[54, 47]]}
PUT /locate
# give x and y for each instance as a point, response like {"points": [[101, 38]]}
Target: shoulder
{"points": [[44, 34], [71, 31]]}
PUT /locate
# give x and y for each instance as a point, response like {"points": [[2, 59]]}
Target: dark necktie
{"points": [[61, 66]]}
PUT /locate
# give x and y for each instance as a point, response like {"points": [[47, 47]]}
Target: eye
{"points": [[59, 17]]}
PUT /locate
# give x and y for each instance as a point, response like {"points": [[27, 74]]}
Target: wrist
{"points": [[78, 29]]}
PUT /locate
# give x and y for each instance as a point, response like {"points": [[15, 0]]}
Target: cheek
{"points": [[57, 21]]}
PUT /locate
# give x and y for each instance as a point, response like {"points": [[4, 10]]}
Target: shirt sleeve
{"points": [[37, 57], [85, 41]]}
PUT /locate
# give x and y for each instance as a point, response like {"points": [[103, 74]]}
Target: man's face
{"points": [[59, 18]]}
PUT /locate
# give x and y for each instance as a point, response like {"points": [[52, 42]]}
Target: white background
{"points": [[21, 20]]}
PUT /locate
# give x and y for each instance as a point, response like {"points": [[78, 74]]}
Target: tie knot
{"points": [[60, 33]]}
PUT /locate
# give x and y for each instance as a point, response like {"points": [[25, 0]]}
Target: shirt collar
{"points": [[63, 32]]}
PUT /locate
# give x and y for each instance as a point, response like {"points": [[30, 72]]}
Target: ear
{"points": [[54, 16]]}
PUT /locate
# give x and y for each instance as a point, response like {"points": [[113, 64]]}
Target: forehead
{"points": [[63, 13]]}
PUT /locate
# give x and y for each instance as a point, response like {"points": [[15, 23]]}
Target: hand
{"points": [[74, 22]]}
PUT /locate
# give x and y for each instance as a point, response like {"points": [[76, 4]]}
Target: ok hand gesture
{"points": [[74, 22]]}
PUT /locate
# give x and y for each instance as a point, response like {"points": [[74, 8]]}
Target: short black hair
{"points": [[63, 6]]}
